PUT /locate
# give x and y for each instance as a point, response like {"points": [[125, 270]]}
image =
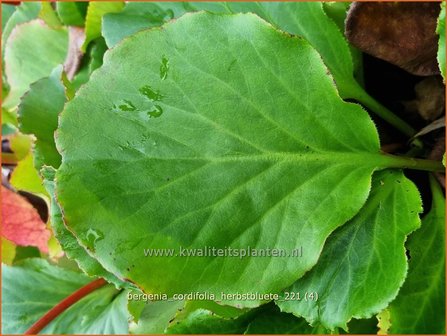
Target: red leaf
{"points": [[21, 222]]}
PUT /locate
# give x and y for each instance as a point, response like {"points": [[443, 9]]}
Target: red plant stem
{"points": [[63, 305]]}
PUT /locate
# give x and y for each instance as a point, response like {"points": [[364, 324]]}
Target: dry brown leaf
{"points": [[402, 33]]}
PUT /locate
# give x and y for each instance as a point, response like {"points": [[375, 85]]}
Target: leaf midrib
{"points": [[364, 158]]}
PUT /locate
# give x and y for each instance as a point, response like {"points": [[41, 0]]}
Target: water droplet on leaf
{"points": [[156, 112], [150, 93], [126, 106], [92, 237], [164, 67]]}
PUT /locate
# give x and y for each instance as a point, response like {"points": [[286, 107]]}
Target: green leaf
{"points": [[8, 117], [25, 177], [33, 287], [49, 16], [203, 321], [420, 306], [137, 16], [337, 11], [27, 11], [91, 61], [306, 19], [28, 291], [32, 51], [93, 21], [96, 54], [441, 47], [20, 145], [309, 20], [363, 326], [38, 114], [7, 12], [68, 242], [272, 321], [155, 316], [72, 13], [8, 249], [363, 263], [261, 158], [102, 312]]}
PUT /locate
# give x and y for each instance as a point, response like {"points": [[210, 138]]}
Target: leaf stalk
{"points": [[64, 305]]}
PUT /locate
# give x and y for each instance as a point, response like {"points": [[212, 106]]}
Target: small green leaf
{"points": [[441, 46], [38, 114], [32, 51], [93, 21], [49, 16], [363, 263], [68, 242], [72, 13], [420, 306], [25, 177]]}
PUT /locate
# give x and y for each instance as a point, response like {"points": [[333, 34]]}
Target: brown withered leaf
{"points": [[402, 33], [429, 102]]}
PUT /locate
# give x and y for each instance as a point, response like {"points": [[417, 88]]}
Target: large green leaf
{"points": [[420, 306], [33, 287], [68, 242], [239, 141], [32, 51], [306, 19], [309, 20], [38, 113], [363, 264]]}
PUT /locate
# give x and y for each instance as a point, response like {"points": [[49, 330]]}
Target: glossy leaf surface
{"points": [[420, 306], [254, 159], [363, 263]]}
